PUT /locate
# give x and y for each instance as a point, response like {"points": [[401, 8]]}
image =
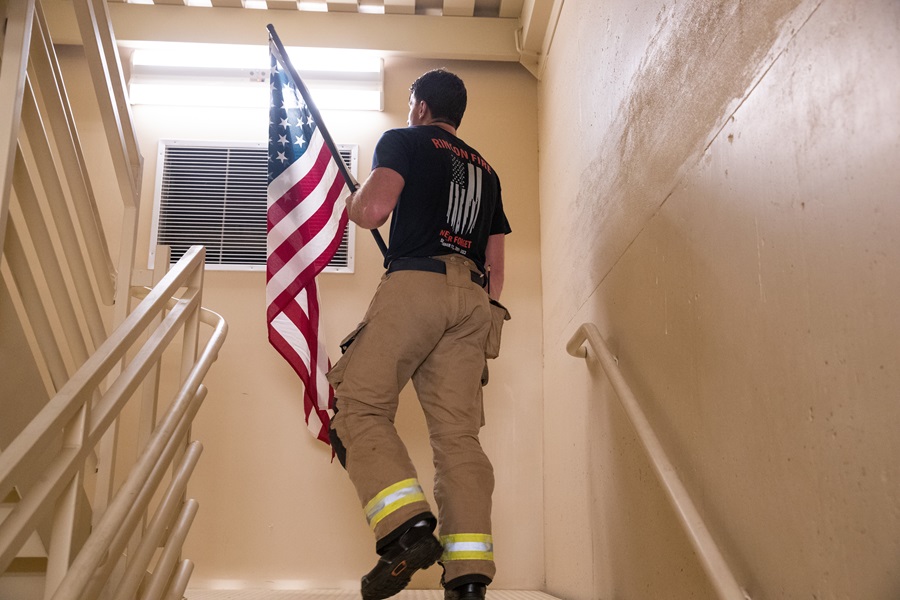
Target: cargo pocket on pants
{"points": [[336, 374], [499, 315]]}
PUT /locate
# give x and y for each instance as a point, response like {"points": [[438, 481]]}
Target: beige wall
{"points": [[275, 511], [719, 194]]}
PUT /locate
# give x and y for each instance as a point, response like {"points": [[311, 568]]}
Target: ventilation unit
{"points": [[214, 194]]}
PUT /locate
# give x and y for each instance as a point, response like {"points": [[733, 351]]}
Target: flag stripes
{"points": [[306, 220], [465, 196], [292, 338]]}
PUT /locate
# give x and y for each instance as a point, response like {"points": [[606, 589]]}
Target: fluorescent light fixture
{"points": [[180, 55], [234, 75], [311, 6], [184, 94], [371, 7]]}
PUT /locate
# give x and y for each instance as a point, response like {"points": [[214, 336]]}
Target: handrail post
{"points": [[42, 165], [169, 556], [45, 171], [106, 73], [46, 76], [141, 554], [711, 559], [16, 41]]}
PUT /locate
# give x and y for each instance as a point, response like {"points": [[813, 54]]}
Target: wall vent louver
{"points": [[214, 193]]}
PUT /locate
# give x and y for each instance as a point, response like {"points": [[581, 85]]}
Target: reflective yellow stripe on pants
{"points": [[392, 498], [467, 546]]}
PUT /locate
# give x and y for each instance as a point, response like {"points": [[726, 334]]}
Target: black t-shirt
{"points": [[451, 196]]}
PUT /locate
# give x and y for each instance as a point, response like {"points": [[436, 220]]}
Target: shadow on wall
{"points": [[702, 60], [649, 302]]}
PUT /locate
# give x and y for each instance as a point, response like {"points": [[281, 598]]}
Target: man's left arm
{"points": [[370, 205], [494, 256]]}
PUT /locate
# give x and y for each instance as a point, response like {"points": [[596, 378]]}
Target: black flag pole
{"points": [[301, 87]]}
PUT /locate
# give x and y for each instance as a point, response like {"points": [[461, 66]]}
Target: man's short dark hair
{"points": [[444, 93]]}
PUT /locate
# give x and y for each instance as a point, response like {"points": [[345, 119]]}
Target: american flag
{"points": [[306, 221], [465, 195]]}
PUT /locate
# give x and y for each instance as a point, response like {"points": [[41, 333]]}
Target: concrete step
{"points": [[24, 578], [32, 557]]}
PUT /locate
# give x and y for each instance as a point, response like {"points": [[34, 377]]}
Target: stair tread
{"points": [[246, 594], [27, 564]]}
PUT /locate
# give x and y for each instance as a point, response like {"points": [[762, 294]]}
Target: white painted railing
{"points": [[718, 571], [106, 528], [86, 414]]}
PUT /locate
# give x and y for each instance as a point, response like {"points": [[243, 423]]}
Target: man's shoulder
{"points": [[418, 137], [407, 132], [402, 135]]}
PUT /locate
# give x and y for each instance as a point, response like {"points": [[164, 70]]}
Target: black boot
{"points": [[416, 549], [468, 591]]}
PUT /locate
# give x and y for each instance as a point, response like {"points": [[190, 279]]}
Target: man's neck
{"points": [[446, 126]]}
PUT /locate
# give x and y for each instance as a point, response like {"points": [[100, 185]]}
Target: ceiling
{"points": [[498, 30]]}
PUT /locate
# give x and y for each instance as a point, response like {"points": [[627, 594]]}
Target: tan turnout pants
{"points": [[431, 328]]}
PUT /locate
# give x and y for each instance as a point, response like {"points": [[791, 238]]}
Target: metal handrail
{"points": [[111, 534], [106, 72], [89, 386], [45, 72], [65, 227], [156, 529], [35, 438], [720, 574], [90, 570], [15, 39]]}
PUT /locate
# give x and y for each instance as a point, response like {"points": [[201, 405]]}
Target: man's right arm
{"points": [[370, 205]]}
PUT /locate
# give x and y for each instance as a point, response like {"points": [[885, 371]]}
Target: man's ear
{"points": [[422, 109]]}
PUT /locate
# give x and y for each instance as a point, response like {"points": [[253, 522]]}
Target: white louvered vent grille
{"points": [[215, 195]]}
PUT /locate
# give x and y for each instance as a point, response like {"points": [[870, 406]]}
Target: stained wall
{"points": [[719, 195]]}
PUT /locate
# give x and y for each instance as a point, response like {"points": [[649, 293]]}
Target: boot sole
{"points": [[393, 580]]}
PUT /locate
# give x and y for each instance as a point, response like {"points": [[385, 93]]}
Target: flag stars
{"points": [[291, 124]]}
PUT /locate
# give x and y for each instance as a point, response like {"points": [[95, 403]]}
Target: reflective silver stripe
{"points": [[468, 546], [392, 498]]}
